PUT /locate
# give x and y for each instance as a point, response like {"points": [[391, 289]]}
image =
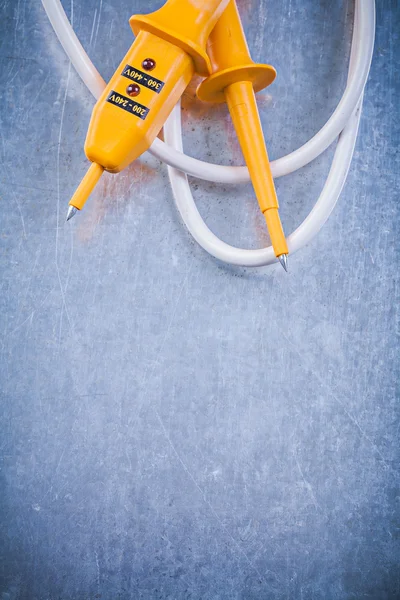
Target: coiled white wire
{"points": [[344, 123]]}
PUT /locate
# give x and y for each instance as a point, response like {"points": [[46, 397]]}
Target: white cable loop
{"points": [[343, 122]]}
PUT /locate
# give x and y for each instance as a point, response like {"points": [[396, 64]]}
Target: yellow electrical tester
{"points": [[169, 48]]}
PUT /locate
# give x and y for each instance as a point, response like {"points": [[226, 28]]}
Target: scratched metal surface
{"points": [[172, 427]]}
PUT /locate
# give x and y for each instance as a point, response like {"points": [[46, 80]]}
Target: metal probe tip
{"points": [[71, 212], [283, 259]]}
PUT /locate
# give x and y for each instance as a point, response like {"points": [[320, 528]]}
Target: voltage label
{"points": [[128, 104], [143, 79]]}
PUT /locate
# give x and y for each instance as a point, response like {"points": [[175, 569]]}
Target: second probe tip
{"points": [[283, 259], [71, 212]]}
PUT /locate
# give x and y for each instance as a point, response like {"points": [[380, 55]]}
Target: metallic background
{"points": [[172, 427]]}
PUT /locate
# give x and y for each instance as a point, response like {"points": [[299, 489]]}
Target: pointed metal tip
{"points": [[71, 212], [283, 259]]}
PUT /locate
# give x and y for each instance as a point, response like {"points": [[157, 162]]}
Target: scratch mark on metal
{"points": [[64, 305], [215, 515]]}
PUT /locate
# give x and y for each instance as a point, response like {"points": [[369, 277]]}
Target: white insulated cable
{"points": [[299, 238], [343, 121], [73, 48]]}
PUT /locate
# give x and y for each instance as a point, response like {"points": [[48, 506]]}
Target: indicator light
{"points": [[133, 90], [148, 64]]}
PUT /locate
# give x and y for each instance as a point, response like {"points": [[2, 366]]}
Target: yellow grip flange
{"points": [[231, 60]]}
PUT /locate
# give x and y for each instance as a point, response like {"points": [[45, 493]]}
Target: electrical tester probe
{"points": [[171, 45], [234, 80]]}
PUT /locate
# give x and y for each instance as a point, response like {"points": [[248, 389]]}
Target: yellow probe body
{"points": [[169, 48], [235, 80]]}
